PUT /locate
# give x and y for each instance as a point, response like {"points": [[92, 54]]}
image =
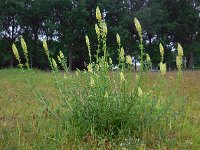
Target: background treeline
{"points": [[64, 23]]}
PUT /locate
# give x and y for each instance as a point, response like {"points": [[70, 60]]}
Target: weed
{"points": [[103, 107]]}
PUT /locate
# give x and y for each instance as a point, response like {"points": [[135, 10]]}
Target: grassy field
{"points": [[21, 128]]}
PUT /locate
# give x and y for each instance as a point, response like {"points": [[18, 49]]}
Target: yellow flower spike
{"points": [[46, 47], [55, 66], [122, 51], [178, 62], [121, 54], [59, 59], [105, 30], [91, 82], [118, 39], [98, 14], [138, 26], [110, 61], [140, 93], [161, 50], [87, 40], [15, 52], [180, 50], [148, 58], [97, 31], [77, 73], [24, 47], [122, 78], [129, 60], [88, 45], [163, 68], [61, 55], [89, 67]]}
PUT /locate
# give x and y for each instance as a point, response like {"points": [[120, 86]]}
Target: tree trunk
{"points": [[190, 60], [70, 59]]}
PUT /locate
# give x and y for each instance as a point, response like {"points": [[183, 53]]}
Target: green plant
{"points": [[102, 104]]}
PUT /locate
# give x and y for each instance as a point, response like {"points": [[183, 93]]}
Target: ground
{"points": [[18, 106]]}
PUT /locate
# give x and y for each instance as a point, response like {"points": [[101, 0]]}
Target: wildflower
{"points": [[110, 61], [118, 39], [24, 47], [54, 64], [89, 67], [140, 93], [178, 62], [87, 41], [163, 68], [129, 60], [88, 45], [46, 47], [161, 50], [121, 54], [91, 81], [138, 26], [61, 55], [59, 59], [121, 76], [77, 73], [180, 50], [97, 31], [98, 14], [105, 30], [148, 58], [15, 52]]}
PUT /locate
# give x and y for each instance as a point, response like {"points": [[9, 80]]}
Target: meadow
{"points": [[21, 128], [99, 108]]}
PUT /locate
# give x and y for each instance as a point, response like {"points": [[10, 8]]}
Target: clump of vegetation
{"points": [[104, 108]]}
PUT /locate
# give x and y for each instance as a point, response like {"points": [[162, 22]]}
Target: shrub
{"points": [[100, 103]]}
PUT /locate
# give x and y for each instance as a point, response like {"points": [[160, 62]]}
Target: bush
{"points": [[116, 107]]}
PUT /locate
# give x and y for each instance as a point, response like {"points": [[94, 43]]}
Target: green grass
{"points": [[99, 108], [23, 125]]}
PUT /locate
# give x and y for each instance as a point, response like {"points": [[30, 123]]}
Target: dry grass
{"points": [[18, 107]]}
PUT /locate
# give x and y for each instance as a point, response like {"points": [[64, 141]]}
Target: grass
{"points": [[21, 128], [100, 108]]}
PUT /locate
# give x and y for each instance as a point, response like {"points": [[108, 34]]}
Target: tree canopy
{"points": [[64, 23]]}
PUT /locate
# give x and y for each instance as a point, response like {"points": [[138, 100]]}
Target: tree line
{"points": [[64, 24]]}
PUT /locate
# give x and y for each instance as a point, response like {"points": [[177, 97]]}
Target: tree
{"points": [[10, 23], [185, 15], [64, 23]]}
